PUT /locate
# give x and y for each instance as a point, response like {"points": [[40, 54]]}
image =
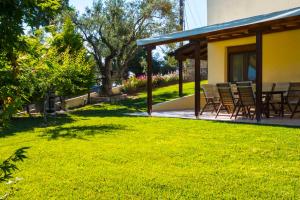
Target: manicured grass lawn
{"points": [[98, 153]]}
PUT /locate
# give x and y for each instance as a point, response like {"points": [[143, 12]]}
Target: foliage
{"points": [[63, 68], [112, 27], [103, 154], [67, 37], [34, 13], [11, 93], [138, 64], [15, 16], [8, 166], [54, 61], [135, 84]]}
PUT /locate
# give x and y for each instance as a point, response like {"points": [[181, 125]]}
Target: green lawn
{"points": [[98, 153]]}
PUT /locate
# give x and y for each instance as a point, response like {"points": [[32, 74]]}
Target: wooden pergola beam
{"points": [[259, 71], [180, 70], [149, 50], [197, 50]]}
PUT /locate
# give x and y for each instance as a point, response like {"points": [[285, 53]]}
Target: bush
{"points": [[136, 84]]}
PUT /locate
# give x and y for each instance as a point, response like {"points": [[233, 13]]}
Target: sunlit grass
{"points": [[98, 153]]}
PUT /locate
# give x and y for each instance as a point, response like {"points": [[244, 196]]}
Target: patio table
{"points": [[268, 95]]}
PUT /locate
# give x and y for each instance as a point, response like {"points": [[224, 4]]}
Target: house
{"points": [[262, 34]]}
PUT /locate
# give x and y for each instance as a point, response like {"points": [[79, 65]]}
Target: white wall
{"points": [[220, 11]]}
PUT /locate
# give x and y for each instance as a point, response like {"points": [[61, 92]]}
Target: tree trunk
{"points": [[45, 108], [28, 110], [106, 88]]}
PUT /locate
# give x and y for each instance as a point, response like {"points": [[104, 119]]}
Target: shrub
{"points": [[136, 84]]}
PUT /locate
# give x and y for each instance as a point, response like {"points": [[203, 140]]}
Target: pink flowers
{"points": [[135, 84]]}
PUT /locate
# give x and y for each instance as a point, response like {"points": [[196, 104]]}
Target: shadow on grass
{"points": [[121, 108], [8, 166], [79, 132], [22, 124]]}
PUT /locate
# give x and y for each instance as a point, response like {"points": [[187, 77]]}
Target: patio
{"points": [[253, 49], [189, 114]]}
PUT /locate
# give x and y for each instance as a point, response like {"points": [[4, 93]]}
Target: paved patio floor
{"points": [[189, 114]]}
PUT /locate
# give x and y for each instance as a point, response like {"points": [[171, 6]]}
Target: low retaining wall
{"points": [[78, 101], [184, 103], [82, 100]]}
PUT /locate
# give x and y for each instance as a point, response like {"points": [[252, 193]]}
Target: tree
{"points": [[15, 16], [111, 28], [56, 63]]}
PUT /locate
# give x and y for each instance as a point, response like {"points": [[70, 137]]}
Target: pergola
{"points": [[199, 38], [187, 52]]}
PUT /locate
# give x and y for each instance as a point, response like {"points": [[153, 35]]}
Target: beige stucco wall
{"points": [[184, 103], [220, 11], [281, 57]]}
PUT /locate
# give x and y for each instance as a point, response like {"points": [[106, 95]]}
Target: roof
{"points": [[187, 51], [207, 30]]}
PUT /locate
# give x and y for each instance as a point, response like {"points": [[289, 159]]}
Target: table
{"points": [[268, 98]]}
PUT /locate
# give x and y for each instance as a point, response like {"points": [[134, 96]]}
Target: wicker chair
{"points": [[293, 98], [247, 101], [227, 100], [212, 97]]}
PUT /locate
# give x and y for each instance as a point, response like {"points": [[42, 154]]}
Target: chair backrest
{"points": [[268, 87], [294, 92], [225, 93], [234, 88], [281, 87], [244, 83], [246, 95], [223, 85], [210, 91]]}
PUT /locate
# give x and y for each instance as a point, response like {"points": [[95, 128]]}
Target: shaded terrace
{"points": [[257, 26]]}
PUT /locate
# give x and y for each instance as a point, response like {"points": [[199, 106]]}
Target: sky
{"points": [[195, 11]]}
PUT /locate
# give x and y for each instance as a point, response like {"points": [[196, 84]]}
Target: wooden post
{"points": [[149, 79], [197, 77], [180, 63], [259, 71]]}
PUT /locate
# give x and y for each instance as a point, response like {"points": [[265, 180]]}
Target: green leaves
{"points": [[111, 28]]}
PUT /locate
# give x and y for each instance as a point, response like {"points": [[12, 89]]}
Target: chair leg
{"points": [[237, 112], [294, 111], [203, 108], [218, 111], [290, 108], [251, 116], [215, 105], [249, 112], [274, 108], [234, 109]]}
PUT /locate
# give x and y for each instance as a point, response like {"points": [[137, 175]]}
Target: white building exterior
{"points": [[220, 11]]}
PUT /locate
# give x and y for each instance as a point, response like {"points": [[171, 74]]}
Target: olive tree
{"points": [[111, 28]]}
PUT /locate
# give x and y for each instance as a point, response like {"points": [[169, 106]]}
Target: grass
{"points": [[98, 153]]}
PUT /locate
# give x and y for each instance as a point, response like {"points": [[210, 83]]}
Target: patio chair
{"points": [[268, 87], [276, 98], [247, 83], [227, 100], [212, 97], [247, 101], [293, 98], [244, 83]]}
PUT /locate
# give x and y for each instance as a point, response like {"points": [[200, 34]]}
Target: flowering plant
{"points": [[135, 84]]}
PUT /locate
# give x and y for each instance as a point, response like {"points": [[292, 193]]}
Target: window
{"points": [[242, 63]]}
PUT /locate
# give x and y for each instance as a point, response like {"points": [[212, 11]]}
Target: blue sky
{"points": [[196, 14]]}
